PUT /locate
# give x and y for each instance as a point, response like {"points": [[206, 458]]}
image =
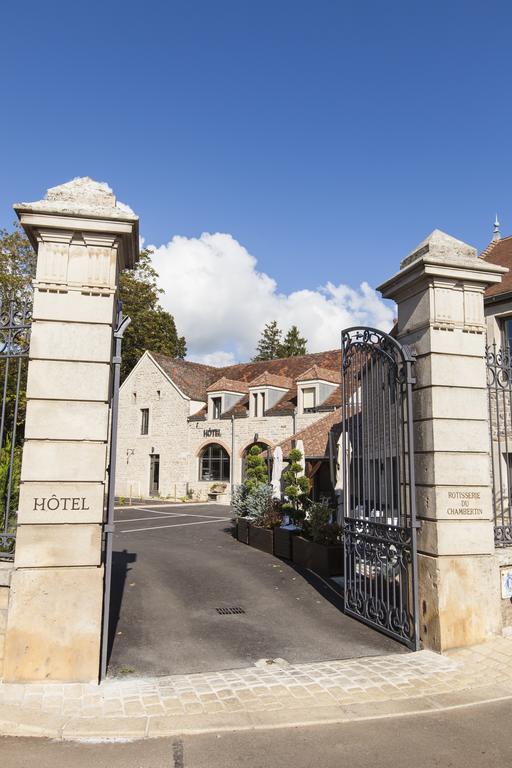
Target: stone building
{"points": [[498, 311], [184, 427]]}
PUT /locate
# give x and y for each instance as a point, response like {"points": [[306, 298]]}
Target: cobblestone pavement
{"points": [[266, 695]]}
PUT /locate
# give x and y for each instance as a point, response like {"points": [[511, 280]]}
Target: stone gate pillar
{"points": [[83, 238], [439, 293]]}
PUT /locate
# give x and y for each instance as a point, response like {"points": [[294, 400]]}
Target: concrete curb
{"points": [[16, 721]]}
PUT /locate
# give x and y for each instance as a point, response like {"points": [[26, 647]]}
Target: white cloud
{"points": [[221, 302]]}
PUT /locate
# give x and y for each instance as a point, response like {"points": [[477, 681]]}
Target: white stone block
{"points": [[66, 420], [54, 625], [73, 306], [71, 503], [456, 537], [48, 546], [450, 403], [449, 341], [454, 502], [450, 370], [62, 380], [63, 461], [459, 601], [451, 435], [454, 469], [71, 341]]}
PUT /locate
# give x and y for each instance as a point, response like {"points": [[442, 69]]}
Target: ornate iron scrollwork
{"points": [[499, 390]]}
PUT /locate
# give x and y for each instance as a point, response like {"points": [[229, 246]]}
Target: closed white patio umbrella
{"points": [[277, 471], [340, 479]]}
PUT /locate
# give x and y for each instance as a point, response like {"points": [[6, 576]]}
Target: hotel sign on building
{"points": [[184, 426]]}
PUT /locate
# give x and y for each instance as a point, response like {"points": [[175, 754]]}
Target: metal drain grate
{"points": [[229, 611]]}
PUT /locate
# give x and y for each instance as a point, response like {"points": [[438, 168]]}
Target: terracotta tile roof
{"points": [[288, 366], [191, 378], [315, 372], [194, 379], [228, 385], [316, 436], [499, 252], [271, 380]]}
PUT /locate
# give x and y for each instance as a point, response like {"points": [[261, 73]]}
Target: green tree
{"points": [[17, 270], [17, 262], [294, 345], [256, 472], [269, 345], [152, 327], [9, 478], [297, 487]]}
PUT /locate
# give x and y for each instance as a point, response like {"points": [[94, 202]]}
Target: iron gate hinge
{"points": [[108, 528], [116, 360]]}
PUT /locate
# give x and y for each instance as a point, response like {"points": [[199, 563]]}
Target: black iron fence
{"points": [[499, 388], [15, 323]]}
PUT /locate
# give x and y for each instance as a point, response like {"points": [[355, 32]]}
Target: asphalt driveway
{"points": [[174, 566]]}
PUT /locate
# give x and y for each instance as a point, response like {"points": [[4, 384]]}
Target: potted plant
{"points": [[284, 536], [240, 503], [251, 501], [297, 487], [320, 548], [267, 515]]}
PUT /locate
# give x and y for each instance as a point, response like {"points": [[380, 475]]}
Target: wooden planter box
{"points": [[242, 530], [283, 542], [327, 559], [324, 559], [300, 551], [262, 539]]}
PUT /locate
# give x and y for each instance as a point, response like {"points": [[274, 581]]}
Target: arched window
{"points": [[214, 463]]}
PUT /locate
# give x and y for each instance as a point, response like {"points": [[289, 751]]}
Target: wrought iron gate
{"points": [[15, 324], [499, 389], [379, 505]]}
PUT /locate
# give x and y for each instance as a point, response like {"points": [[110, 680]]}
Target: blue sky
{"points": [[328, 138]]}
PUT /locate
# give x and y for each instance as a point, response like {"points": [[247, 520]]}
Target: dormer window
{"points": [[265, 391], [309, 399], [223, 395], [216, 407], [315, 386], [258, 404]]}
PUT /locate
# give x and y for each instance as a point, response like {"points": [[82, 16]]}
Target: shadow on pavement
{"points": [[120, 569], [328, 589]]}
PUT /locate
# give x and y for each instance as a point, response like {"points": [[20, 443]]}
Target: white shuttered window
{"points": [[308, 397]]}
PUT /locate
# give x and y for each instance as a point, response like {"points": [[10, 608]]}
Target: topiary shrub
{"points": [[297, 487], [256, 472]]}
